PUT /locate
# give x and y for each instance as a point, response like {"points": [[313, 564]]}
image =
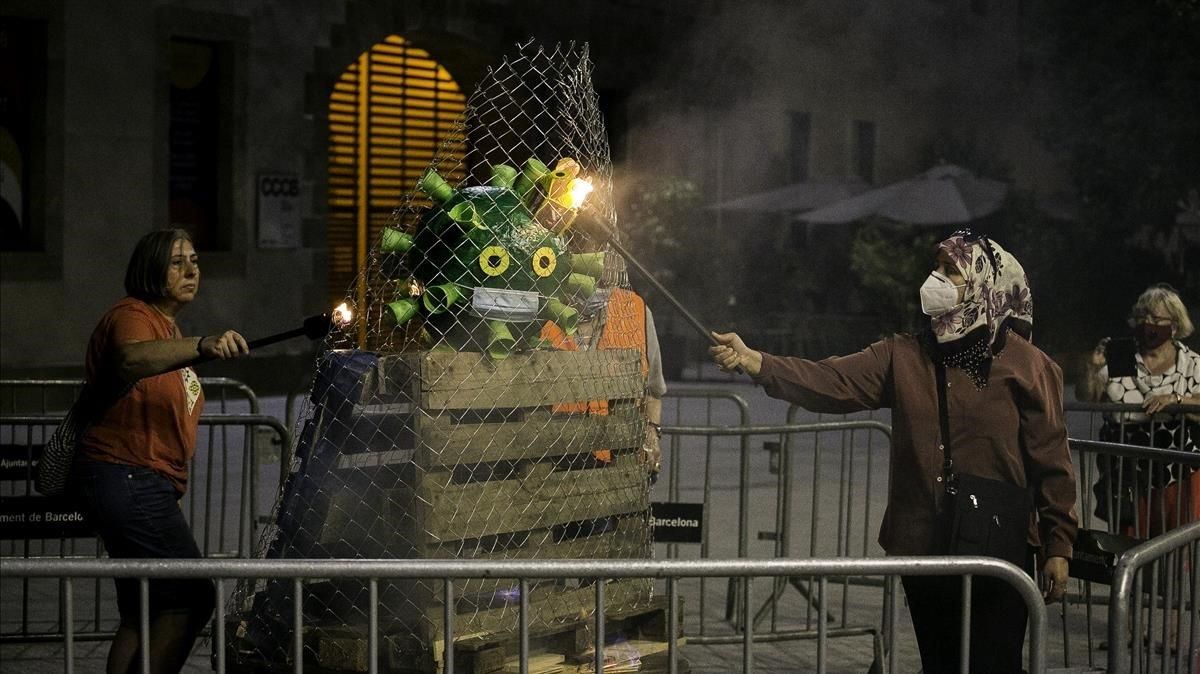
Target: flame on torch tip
{"points": [[342, 313], [577, 192]]}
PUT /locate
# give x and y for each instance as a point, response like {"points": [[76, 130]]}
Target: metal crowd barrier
{"points": [[42, 396], [679, 407], [1149, 507], [221, 505], [853, 470], [1130, 481], [448, 571], [52, 397], [1160, 574], [848, 506]]}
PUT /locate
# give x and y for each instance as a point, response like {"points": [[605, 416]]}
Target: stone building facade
{"points": [[712, 91]]}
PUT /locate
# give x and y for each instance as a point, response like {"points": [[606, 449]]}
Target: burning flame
{"points": [[577, 192], [565, 196], [342, 314]]}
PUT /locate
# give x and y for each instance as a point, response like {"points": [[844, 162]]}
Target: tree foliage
{"points": [[1126, 79], [891, 262], [657, 214]]}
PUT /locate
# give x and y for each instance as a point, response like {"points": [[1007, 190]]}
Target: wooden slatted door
{"points": [[389, 114]]}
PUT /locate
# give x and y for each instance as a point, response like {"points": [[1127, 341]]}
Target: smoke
{"points": [[721, 94], [717, 110]]}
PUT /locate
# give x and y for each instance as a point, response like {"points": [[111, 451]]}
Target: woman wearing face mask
{"points": [[1003, 400], [1166, 373]]}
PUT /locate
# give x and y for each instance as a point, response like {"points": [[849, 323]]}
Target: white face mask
{"points": [[938, 295]]}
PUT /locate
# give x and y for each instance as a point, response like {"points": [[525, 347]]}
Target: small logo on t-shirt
{"points": [[191, 387]]}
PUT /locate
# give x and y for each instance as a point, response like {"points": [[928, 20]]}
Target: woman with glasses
{"points": [[1166, 373]]}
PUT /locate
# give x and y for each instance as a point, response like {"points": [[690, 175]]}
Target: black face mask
{"points": [[1150, 337]]}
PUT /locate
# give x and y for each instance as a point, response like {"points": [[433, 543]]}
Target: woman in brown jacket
{"points": [[1005, 418]]}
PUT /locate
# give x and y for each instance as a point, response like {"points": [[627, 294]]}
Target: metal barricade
{"points": [[862, 513], [1115, 490], [675, 414], [221, 505], [848, 506], [42, 396], [1152, 513], [682, 406], [1158, 576], [55, 396], [448, 571]]}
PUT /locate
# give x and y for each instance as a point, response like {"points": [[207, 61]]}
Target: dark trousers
{"points": [[136, 513], [998, 617]]}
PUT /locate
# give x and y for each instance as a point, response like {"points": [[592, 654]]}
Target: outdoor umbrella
{"points": [[796, 197], [943, 195]]}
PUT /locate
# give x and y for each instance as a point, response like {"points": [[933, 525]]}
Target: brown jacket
{"points": [[1013, 429]]}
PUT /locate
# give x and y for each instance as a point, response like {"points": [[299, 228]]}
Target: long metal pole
{"points": [[596, 226], [633, 262]]}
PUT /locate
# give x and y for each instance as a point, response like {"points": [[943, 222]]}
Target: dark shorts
{"points": [[136, 513]]}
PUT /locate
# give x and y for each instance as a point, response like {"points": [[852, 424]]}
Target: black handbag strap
{"points": [[944, 423]]}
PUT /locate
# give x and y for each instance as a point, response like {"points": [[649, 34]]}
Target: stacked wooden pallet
{"points": [[637, 642], [448, 455]]}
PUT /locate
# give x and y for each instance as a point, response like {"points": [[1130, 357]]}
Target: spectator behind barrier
{"points": [[1160, 372]]}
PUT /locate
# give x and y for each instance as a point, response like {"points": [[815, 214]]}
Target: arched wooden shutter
{"points": [[388, 114]]}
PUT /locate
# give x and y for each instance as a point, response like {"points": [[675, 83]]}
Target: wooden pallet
{"points": [[636, 641], [448, 455]]}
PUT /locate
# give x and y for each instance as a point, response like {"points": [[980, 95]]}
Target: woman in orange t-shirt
{"points": [[132, 465]]}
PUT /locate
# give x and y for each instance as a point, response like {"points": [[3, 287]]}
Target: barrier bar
{"points": [[448, 624], [220, 627], [672, 618], [68, 626], [298, 625], [599, 625], [964, 654], [1126, 595], [470, 569], [144, 622], [373, 628], [523, 625]]}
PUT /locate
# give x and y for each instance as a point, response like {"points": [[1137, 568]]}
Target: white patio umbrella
{"points": [[800, 196], [944, 195]]}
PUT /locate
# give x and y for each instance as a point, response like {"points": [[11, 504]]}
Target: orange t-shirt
{"points": [[154, 424]]}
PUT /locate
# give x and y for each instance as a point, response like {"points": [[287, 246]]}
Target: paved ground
{"points": [[842, 486]]}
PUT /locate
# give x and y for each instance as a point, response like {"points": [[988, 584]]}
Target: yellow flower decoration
{"points": [[544, 261], [493, 260]]}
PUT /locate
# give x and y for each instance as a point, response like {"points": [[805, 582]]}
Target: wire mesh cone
{"points": [[487, 405]]}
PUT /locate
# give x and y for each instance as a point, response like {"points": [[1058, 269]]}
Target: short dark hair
{"points": [[146, 275]]}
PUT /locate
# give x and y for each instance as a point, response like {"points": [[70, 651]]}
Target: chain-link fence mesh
{"points": [[485, 402]]}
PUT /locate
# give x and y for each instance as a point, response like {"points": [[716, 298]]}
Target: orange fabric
{"points": [[624, 328], [154, 425], [1154, 513]]}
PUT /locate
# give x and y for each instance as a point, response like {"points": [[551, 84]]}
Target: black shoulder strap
{"points": [[944, 421]]}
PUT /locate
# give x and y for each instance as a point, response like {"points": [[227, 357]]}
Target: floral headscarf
{"points": [[997, 299]]}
